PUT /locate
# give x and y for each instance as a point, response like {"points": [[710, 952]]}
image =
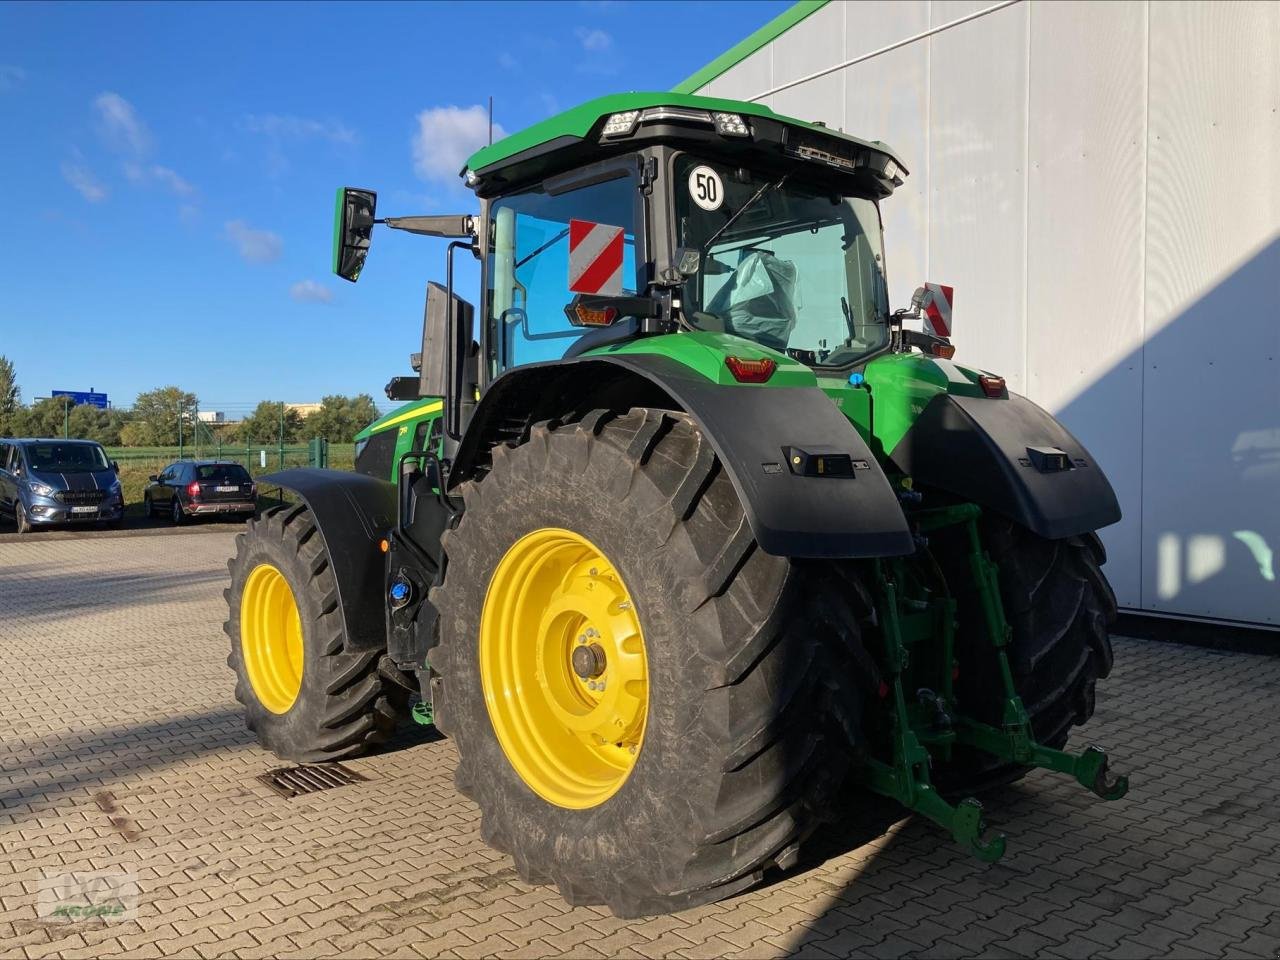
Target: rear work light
{"points": [[993, 387], [731, 125], [621, 124], [193, 489], [750, 371]]}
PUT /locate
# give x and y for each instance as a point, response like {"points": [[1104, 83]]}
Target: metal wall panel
{"points": [[816, 41], [887, 98], [1085, 205], [977, 156], [1211, 520]]}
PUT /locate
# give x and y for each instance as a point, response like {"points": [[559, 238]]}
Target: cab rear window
{"points": [[222, 473]]}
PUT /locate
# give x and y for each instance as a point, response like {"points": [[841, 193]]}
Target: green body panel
{"points": [[405, 420], [577, 123], [901, 384], [704, 353]]}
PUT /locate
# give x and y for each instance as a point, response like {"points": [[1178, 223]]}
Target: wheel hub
{"points": [[563, 668], [589, 662]]}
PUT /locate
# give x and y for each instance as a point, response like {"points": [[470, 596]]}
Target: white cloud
{"points": [[593, 39], [82, 178], [446, 137], [11, 77], [256, 246], [121, 126], [155, 173], [298, 128], [308, 291]]}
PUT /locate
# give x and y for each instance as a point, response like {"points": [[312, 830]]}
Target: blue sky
{"points": [[170, 169]]}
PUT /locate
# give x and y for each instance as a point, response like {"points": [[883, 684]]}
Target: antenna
{"points": [[491, 120]]}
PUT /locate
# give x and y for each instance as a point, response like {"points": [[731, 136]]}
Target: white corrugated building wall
{"points": [[1101, 184]]}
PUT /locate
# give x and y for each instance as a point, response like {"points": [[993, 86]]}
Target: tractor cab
{"points": [[655, 213]]}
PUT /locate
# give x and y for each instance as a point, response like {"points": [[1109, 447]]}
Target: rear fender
{"points": [[353, 513], [750, 429], [977, 448]]}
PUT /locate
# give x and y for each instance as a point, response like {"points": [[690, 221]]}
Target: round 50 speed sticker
{"points": [[705, 188]]}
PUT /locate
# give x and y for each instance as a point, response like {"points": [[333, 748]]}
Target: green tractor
{"points": [[697, 532]]}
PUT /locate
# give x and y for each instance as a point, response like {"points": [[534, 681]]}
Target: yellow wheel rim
{"points": [[563, 668], [271, 638]]}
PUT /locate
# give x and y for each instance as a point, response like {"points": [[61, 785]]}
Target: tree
{"points": [[263, 425], [340, 418], [153, 422], [10, 397], [44, 418], [95, 423]]}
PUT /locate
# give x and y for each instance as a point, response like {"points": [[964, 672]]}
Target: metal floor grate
{"points": [[292, 782]]}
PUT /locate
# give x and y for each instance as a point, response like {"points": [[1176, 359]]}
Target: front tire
{"points": [[20, 518], [307, 694], [750, 682]]}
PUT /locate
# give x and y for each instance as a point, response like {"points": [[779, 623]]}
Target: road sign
{"points": [[78, 397]]}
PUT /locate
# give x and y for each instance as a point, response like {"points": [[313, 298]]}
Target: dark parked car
{"points": [[195, 488], [46, 481]]}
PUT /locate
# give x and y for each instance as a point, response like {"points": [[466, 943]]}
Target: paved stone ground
{"points": [[121, 748]]}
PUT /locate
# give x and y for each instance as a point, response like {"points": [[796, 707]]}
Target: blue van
{"points": [[43, 482]]}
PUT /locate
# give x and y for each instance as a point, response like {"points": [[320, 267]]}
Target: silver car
{"points": [[45, 482]]}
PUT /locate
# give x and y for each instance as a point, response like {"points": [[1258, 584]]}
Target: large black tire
{"points": [[753, 712], [1059, 607], [345, 705]]}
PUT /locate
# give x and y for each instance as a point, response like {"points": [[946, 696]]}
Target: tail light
{"points": [[750, 371], [193, 489], [253, 489], [993, 387]]}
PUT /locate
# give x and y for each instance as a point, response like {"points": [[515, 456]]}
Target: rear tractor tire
{"points": [[1059, 608], [648, 710], [307, 694]]}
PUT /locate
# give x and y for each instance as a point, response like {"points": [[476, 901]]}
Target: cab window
{"points": [[529, 264]]}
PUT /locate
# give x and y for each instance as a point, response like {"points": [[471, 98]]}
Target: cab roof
{"points": [[574, 125]]}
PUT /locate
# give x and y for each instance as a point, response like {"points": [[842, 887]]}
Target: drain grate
{"points": [[292, 782]]}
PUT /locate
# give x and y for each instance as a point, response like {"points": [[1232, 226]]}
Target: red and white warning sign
{"points": [[595, 258], [937, 309]]}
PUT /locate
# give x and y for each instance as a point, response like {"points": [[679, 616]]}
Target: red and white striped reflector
{"points": [[595, 258], [937, 309]]}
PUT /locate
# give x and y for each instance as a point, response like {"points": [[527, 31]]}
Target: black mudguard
{"points": [[749, 428], [353, 513], [976, 448]]}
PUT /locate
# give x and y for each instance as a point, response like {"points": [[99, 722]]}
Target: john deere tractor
{"points": [[698, 533]]}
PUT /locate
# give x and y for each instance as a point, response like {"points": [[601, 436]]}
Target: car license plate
{"points": [[84, 509], [227, 489]]}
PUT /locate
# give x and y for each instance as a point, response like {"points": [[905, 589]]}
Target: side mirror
{"points": [[115, 465], [353, 219]]}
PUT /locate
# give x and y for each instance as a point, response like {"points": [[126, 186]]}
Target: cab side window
{"points": [[6, 451]]}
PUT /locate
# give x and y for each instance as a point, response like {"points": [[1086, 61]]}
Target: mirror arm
{"points": [[456, 226]]}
